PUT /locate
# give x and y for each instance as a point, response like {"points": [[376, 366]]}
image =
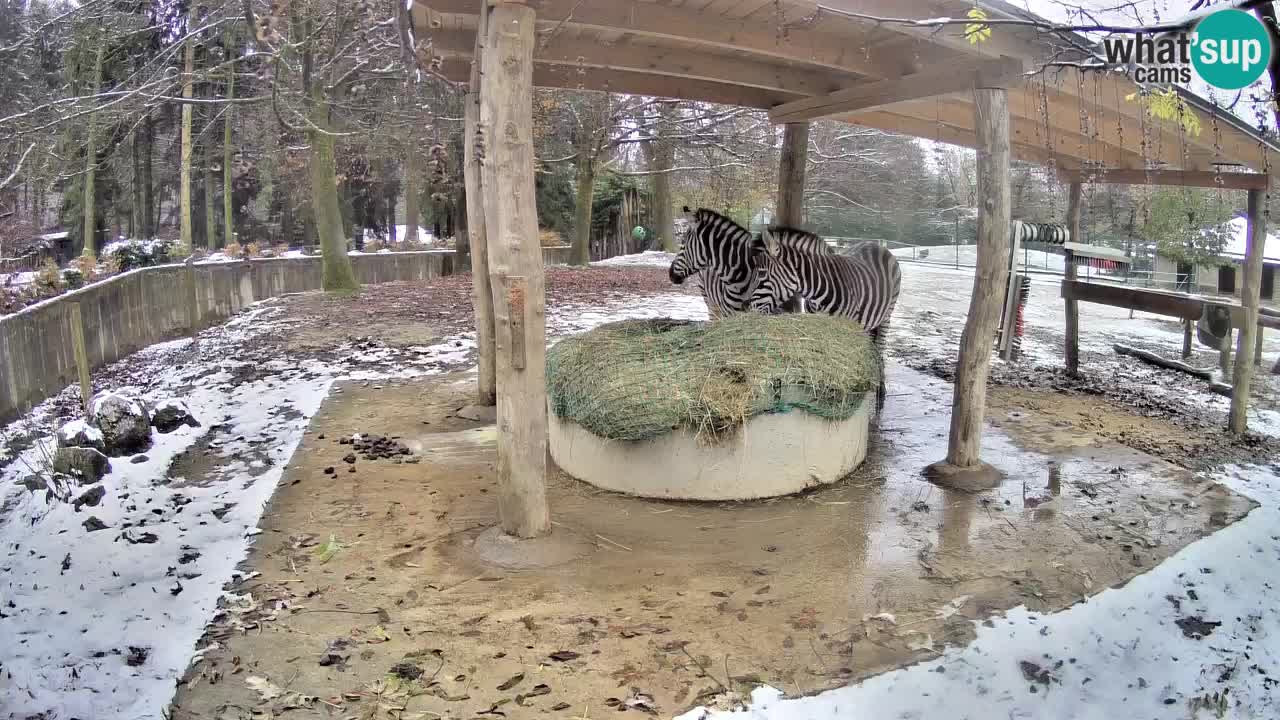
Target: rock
{"points": [[125, 425], [138, 459], [93, 524], [79, 433], [90, 497], [82, 463], [172, 414]]}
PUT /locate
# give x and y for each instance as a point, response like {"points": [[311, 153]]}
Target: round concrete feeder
{"points": [[770, 455]]}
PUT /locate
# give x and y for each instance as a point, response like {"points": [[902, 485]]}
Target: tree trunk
{"points": [[148, 193], [135, 189], [511, 220], [1248, 333], [210, 211], [184, 173], [411, 196], [581, 252], [991, 110], [228, 214], [791, 171], [338, 275], [661, 157], [89, 197]]}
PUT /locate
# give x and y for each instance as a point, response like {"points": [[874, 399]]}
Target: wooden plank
{"points": [[636, 83], [1188, 307], [1239, 418], [82, 357], [511, 224], [1180, 178], [579, 53], [792, 164], [994, 207], [481, 295], [928, 83], [1072, 350], [761, 36]]}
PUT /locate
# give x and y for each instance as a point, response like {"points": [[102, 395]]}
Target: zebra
{"points": [[727, 257], [862, 284]]}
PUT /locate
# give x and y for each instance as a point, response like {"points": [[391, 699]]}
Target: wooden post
{"points": [[1224, 356], [82, 357], [1072, 350], [1248, 332], [481, 294], [1257, 349], [193, 301], [791, 172], [1187, 325], [991, 116], [515, 267]]}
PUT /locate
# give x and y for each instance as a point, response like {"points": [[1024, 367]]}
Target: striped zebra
{"points": [[862, 284], [726, 256]]}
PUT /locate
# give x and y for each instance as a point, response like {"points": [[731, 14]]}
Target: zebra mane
{"points": [[797, 239]]}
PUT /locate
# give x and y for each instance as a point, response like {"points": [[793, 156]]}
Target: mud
{"points": [[673, 604]]}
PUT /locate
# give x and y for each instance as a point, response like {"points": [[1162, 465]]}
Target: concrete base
{"points": [[772, 455], [982, 476], [562, 546]]}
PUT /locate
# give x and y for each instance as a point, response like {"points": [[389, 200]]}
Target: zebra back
{"points": [[863, 284]]}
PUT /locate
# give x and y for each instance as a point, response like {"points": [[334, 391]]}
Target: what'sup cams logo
{"points": [[1229, 49]]}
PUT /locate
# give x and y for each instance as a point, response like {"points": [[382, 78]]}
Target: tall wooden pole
{"points": [[991, 115], [1072, 350], [481, 295], [791, 170], [1248, 332], [515, 268]]}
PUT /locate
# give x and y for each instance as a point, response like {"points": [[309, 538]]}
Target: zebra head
{"points": [[776, 282], [710, 240]]}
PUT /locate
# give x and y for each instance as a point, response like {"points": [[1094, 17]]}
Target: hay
{"points": [[638, 379]]}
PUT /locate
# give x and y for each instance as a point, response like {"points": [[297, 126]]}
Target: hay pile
{"points": [[638, 379]]}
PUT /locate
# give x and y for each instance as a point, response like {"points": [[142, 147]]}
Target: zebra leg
{"points": [[877, 339]]}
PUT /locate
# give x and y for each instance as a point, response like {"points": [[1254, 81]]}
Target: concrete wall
{"points": [[128, 312]]}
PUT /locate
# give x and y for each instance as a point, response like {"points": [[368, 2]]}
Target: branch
{"points": [[17, 168]]}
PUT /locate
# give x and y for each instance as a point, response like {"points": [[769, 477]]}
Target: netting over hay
{"points": [[638, 379]]}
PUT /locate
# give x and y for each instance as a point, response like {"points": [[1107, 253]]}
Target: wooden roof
{"points": [[766, 53]]}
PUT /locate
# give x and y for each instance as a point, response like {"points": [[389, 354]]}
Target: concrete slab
{"points": [[673, 604]]}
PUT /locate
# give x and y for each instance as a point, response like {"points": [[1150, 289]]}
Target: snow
{"points": [[148, 247], [424, 236], [75, 428], [17, 279], [968, 255], [656, 258]]}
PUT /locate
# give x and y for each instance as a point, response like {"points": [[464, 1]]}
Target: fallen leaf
{"points": [[512, 681], [539, 689], [564, 655], [264, 687]]}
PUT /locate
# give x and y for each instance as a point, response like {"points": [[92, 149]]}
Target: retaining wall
{"points": [[130, 311]]}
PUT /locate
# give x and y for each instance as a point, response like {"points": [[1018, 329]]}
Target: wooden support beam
{"points": [[481, 294], [676, 64], [1209, 179], [1187, 307], [1072, 350], [636, 83], [991, 108], [792, 164], [803, 44], [515, 268], [1239, 418], [1003, 72]]}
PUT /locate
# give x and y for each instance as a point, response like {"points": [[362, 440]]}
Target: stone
{"points": [[85, 464], [90, 497], [124, 422], [172, 414], [81, 434]]}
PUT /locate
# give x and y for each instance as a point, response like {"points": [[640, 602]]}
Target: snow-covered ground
{"points": [[968, 256], [656, 258], [76, 601], [101, 616]]}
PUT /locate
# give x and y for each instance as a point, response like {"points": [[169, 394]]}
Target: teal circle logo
{"points": [[1231, 49]]}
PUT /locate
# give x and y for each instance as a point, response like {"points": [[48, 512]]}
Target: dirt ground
{"points": [[368, 596]]}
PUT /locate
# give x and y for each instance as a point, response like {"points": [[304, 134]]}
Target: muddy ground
{"points": [[375, 595]]}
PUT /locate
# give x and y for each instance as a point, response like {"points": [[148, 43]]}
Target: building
{"points": [[1226, 277]]}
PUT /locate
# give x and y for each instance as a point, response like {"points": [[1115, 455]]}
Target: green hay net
{"points": [[638, 379]]}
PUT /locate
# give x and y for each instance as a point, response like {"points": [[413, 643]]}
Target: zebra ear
{"points": [[687, 211], [771, 244]]}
